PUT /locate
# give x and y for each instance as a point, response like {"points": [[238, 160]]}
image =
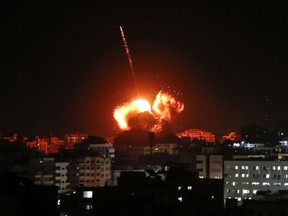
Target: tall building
{"points": [[61, 176], [94, 171], [209, 166]]}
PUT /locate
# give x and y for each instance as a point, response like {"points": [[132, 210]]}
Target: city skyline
{"points": [[64, 67]]}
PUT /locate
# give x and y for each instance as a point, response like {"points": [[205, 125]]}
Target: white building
{"points": [[244, 178], [61, 176], [95, 171]]}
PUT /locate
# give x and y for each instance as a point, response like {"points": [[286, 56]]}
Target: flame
{"points": [[164, 108]]}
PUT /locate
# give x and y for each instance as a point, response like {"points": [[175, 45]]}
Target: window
{"points": [[89, 207], [87, 194], [180, 199], [189, 187], [245, 191]]}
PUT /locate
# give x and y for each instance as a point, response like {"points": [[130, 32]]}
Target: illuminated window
{"points": [[180, 199], [89, 207], [87, 194], [189, 188], [277, 184], [255, 183], [179, 187], [278, 168], [245, 191], [267, 176], [236, 167], [236, 175], [266, 183], [285, 168], [256, 167], [243, 175], [233, 183], [254, 191]]}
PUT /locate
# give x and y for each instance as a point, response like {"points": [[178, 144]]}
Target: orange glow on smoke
{"points": [[163, 109]]}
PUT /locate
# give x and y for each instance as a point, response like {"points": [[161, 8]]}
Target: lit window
{"points": [[233, 183], [236, 175], [267, 176], [277, 184], [254, 191], [88, 207], [285, 184], [179, 187], [180, 199], [243, 175], [285, 167], [246, 191], [255, 183], [236, 167], [87, 194], [278, 168], [189, 188], [256, 167]]}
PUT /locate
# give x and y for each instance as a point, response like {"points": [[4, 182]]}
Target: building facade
{"points": [[244, 179]]}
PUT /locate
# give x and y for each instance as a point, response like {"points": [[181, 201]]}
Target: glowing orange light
{"points": [[164, 108], [142, 105], [121, 114]]}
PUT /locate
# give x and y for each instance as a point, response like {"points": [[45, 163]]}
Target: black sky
{"points": [[64, 68]]}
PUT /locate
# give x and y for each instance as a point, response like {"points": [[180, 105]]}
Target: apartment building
{"points": [[61, 176], [94, 171]]}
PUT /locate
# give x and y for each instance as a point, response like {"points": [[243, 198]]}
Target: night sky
{"points": [[64, 67]]}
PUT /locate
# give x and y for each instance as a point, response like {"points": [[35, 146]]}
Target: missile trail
{"points": [[129, 59]]}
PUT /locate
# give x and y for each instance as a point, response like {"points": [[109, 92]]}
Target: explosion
{"points": [[140, 114]]}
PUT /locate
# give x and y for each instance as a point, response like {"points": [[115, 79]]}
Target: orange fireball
{"points": [[163, 109]]}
